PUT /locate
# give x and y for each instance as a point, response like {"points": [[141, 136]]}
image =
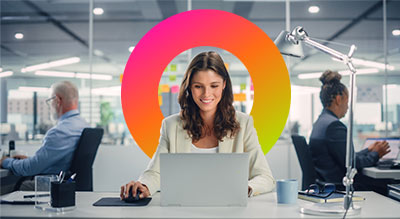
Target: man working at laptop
{"points": [[207, 123], [59, 143], [328, 138]]}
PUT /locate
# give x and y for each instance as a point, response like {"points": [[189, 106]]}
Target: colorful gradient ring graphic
{"points": [[250, 44]]}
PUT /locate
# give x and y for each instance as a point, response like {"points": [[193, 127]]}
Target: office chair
{"points": [[84, 156], [307, 166]]}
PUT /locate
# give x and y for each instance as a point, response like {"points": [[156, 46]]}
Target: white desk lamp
{"points": [[292, 44]]}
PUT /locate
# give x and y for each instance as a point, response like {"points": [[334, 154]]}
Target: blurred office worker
{"points": [[59, 143], [328, 137], [207, 123]]}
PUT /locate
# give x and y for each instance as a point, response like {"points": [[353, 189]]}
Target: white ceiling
{"points": [[48, 26]]}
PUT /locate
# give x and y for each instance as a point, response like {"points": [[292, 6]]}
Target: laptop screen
{"points": [[394, 144]]}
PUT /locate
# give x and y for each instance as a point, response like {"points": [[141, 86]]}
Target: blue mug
{"points": [[286, 191]]}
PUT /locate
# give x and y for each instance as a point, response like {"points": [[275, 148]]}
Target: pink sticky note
{"points": [[175, 89]]}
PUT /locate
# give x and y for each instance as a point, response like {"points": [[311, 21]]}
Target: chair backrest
{"points": [[84, 156], [305, 160]]}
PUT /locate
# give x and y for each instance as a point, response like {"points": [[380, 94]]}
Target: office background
{"points": [[100, 42]]}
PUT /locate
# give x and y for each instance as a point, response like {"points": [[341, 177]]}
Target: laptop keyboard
{"points": [[386, 164]]}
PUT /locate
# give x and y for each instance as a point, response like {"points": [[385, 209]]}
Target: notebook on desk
{"points": [[334, 197], [204, 179]]}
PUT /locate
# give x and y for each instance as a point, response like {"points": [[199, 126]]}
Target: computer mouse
{"points": [[132, 199]]}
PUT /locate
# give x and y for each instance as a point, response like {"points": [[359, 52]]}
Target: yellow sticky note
{"points": [[239, 97], [226, 66], [120, 77], [160, 100], [165, 88]]}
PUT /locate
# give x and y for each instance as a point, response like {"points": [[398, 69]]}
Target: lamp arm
{"points": [[335, 54], [325, 49]]}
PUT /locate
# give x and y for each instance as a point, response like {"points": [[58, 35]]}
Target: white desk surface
{"points": [[381, 174], [263, 206]]}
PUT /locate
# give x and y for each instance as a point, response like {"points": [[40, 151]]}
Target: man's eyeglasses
{"points": [[50, 99], [321, 190]]}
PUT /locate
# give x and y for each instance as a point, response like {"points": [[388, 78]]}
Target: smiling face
{"points": [[206, 88]]}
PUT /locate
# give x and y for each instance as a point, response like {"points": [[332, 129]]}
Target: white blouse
{"points": [[204, 150]]}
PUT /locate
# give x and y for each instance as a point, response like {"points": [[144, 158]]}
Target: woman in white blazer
{"points": [[207, 123]]}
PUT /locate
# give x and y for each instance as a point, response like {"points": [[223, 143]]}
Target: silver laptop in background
{"points": [[394, 144], [204, 179]]}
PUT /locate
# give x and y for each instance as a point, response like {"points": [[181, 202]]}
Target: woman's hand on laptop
{"points": [[381, 147], [135, 186]]}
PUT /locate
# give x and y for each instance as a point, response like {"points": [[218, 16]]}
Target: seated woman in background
{"points": [[328, 137], [207, 118]]}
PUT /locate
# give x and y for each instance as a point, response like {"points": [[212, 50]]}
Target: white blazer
{"points": [[174, 139]]}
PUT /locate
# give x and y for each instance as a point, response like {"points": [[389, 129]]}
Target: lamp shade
{"points": [[287, 47]]}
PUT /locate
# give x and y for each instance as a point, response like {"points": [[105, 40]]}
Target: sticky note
{"points": [[172, 77], [226, 66], [239, 97], [172, 67], [175, 89], [160, 100], [164, 88]]}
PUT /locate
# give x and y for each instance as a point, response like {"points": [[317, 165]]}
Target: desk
{"points": [[381, 174], [263, 206], [4, 173]]}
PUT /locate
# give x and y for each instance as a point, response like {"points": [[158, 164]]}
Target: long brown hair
{"points": [[225, 120]]}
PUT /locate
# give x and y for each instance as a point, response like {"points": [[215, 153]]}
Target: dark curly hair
{"points": [[225, 120], [331, 87]]}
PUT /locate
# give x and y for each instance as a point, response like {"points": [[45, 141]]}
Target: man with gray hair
{"points": [[59, 143]]}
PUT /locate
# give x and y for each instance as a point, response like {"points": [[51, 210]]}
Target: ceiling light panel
{"points": [[51, 64], [313, 9], [6, 74]]}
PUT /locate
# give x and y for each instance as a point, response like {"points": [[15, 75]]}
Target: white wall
{"points": [[117, 165], [283, 161]]}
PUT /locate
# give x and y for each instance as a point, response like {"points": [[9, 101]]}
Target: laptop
{"points": [[394, 144], [204, 179]]}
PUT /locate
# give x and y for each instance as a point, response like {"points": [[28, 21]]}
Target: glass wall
{"points": [[393, 58], [338, 25], [37, 32]]}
